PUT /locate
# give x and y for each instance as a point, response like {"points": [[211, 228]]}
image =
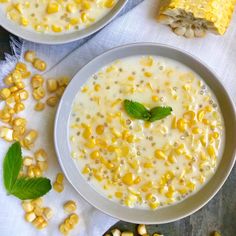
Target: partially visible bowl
{"points": [[43, 38], [165, 214]]}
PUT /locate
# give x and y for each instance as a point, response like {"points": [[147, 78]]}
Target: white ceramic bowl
{"points": [[59, 38], [165, 214]]}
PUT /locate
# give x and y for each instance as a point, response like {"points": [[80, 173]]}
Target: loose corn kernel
{"points": [[97, 87], [58, 187], [47, 212], [30, 138], [70, 206], [5, 93], [39, 93], [39, 64], [43, 165], [29, 56], [30, 216], [8, 80], [216, 233], [126, 233], [38, 211], [38, 221], [74, 219], [60, 178], [116, 232], [37, 81], [142, 229], [200, 115], [155, 98], [211, 151], [39, 106], [27, 206], [6, 133], [37, 202], [16, 76], [147, 74], [27, 161], [52, 85], [40, 155]]}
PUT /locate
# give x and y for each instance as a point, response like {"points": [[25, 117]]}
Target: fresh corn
{"points": [[193, 18]]}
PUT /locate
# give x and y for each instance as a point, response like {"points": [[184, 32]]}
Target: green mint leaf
{"points": [[136, 110], [158, 113], [11, 166], [31, 188]]}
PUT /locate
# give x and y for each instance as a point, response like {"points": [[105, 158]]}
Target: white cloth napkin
{"points": [[139, 25]]}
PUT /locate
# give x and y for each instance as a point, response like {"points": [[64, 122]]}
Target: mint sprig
{"points": [[139, 111], [22, 187]]}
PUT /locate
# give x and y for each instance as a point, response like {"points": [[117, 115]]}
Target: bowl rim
{"points": [[185, 54], [55, 39]]}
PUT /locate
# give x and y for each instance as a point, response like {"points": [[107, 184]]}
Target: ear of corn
{"points": [[193, 18]]}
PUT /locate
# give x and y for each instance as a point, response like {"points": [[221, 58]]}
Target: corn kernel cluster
{"points": [[36, 213], [146, 164], [141, 230], [14, 128], [72, 220], [56, 16]]}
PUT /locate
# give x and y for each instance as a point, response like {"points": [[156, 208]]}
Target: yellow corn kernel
{"points": [[20, 85], [70, 206], [183, 191], [191, 185], [38, 93], [160, 154], [86, 170], [200, 115], [6, 133], [147, 74], [52, 101], [216, 233], [38, 211], [118, 195], [16, 76], [63, 81], [27, 161], [100, 129], [155, 98], [189, 115], [58, 187], [87, 132], [27, 206], [40, 155], [38, 220], [172, 159], [60, 178], [24, 21], [30, 138], [39, 64], [63, 229], [52, 7], [30, 216], [48, 213], [29, 56], [37, 81], [8, 80], [5, 93], [211, 151], [196, 130], [174, 122], [148, 165], [39, 106], [95, 155], [128, 179], [182, 125], [52, 85], [74, 219]]}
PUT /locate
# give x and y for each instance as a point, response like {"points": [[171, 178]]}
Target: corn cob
{"points": [[193, 18]]}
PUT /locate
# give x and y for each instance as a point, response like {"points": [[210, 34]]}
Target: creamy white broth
{"points": [[51, 17], [142, 164]]}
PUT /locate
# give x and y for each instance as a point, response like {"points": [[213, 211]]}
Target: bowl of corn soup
{"points": [[149, 133], [56, 22]]}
